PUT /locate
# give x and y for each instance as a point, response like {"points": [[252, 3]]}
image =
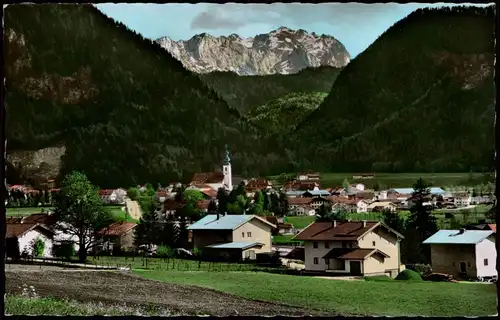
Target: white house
{"points": [[303, 210], [362, 206], [24, 235], [468, 253], [462, 200], [353, 248]]}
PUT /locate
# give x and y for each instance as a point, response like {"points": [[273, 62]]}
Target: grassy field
{"points": [[402, 180], [300, 222], [117, 212], [393, 298], [116, 293], [284, 239], [18, 305]]}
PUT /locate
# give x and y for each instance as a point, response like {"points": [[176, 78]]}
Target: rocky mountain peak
{"points": [[282, 51]]}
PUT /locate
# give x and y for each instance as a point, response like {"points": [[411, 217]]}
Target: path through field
{"points": [[122, 287]]}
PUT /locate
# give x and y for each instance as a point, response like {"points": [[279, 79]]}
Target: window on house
{"points": [[315, 260], [327, 245], [485, 262], [243, 234], [315, 244], [249, 234], [468, 264], [373, 243]]}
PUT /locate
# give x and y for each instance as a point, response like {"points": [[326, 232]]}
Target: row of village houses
{"points": [[352, 248], [304, 194]]}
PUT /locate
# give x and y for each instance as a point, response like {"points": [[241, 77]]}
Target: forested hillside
{"points": [[421, 97], [282, 115], [124, 109], [247, 92]]}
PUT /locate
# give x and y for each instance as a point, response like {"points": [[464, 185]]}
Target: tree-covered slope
{"points": [[281, 116], [247, 92], [422, 95], [126, 111]]}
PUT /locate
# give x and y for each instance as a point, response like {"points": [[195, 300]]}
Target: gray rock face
{"points": [[282, 51]]}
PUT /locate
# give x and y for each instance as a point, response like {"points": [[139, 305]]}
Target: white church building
{"points": [[215, 180]]}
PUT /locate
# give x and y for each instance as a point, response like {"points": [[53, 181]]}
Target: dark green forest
{"points": [[420, 98], [245, 93]]}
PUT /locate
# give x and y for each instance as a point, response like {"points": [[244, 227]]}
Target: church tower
{"points": [[226, 169]]}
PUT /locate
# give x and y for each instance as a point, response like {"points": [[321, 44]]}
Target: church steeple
{"points": [[227, 157], [226, 169]]}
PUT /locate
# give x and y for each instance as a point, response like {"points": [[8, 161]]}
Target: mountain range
{"points": [[281, 51], [126, 111]]}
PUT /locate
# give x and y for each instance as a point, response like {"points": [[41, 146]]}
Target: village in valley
{"points": [[349, 230], [249, 160]]}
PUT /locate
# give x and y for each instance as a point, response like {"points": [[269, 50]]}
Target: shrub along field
{"points": [[394, 298]]}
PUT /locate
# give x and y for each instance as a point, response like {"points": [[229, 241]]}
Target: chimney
{"points": [[334, 223], [217, 216], [364, 223], [461, 231]]}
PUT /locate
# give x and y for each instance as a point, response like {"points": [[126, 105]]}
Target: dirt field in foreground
{"points": [[111, 287]]}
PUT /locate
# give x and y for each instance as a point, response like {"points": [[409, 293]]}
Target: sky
{"points": [[355, 25]]}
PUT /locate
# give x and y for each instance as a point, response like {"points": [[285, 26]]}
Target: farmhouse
{"points": [[20, 239], [462, 200], [316, 193], [362, 206], [468, 253], [117, 237], [233, 237], [311, 176], [351, 248], [379, 206], [117, 196]]}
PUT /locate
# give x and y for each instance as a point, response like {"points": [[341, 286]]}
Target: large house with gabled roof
{"points": [[352, 248], [232, 237]]}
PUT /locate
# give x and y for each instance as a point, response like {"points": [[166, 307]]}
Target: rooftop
{"points": [[455, 237], [224, 222], [338, 230], [235, 245]]}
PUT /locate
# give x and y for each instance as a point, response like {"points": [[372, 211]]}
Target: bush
{"points": [[378, 278], [65, 250], [410, 275], [38, 247], [164, 252]]}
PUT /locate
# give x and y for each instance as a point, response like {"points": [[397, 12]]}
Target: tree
{"points": [[169, 232], [147, 232], [150, 191], [133, 193], [79, 211], [192, 195], [324, 212], [182, 240], [223, 200], [212, 206], [421, 223], [345, 184], [258, 204], [393, 220]]}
